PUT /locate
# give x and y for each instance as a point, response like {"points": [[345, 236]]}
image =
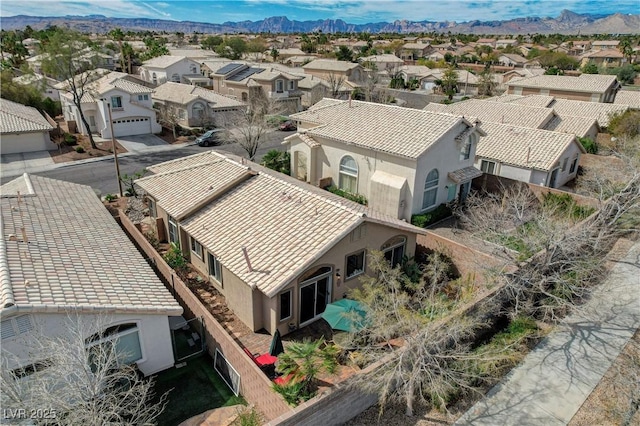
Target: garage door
{"points": [[129, 126]]}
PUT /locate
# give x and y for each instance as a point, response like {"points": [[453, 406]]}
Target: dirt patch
{"points": [[167, 136], [70, 153]]}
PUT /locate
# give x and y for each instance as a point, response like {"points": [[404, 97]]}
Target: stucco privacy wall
{"points": [[26, 142], [255, 386], [153, 332]]}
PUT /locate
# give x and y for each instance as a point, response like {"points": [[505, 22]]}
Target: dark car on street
{"points": [[210, 138], [288, 126]]}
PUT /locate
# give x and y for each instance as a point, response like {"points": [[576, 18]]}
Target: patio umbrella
{"points": [[345, 315], [276, 347]]}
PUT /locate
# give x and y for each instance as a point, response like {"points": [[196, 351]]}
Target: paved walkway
{"points": [[555, 379]]}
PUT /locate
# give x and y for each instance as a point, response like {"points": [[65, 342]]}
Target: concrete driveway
{"points": [[26, 162], [143, 143]]}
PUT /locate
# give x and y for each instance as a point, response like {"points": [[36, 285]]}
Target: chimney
{"points": [[246, 258], [528, 154]]}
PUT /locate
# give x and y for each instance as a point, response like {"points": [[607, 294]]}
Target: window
{"points": [[430, 189], [465, 152], [173, 231], [564, 164], [151, 203], [116, 102], [245, 97], [194, 69], [198, 110], [92, 121], [574, 163], [279, 86], [355, 264], [286, 305], [143, 97], [154, 78], [393, 250], [196, 247], [122, 338], [215, 270], [488, 167], [15, 326], [348, 180], [292, 85], [175, 78]]}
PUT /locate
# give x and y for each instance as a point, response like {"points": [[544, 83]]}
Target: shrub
{"points": [[110, 197], [292, 392], [79, 149], [152, 237], [625, 124], [360, 199], [175, 259], [278, 160], [589, 145], [70, 139], [425, 219], [566, 206]]}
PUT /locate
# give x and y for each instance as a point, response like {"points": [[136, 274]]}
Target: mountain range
{"points": [[567, 23]]}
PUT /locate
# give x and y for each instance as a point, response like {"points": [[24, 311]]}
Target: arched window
{"points": [[393, 250], [430, 189], [348, 175], [194, 69], [198, 110]]}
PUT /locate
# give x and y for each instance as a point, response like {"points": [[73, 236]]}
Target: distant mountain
{"points": [[567, 23]]}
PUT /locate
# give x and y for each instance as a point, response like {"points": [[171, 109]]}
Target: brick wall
{"points": [[255, 386]]}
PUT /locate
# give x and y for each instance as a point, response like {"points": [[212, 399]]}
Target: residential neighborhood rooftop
{"points": [[185, 93], [74, 256], [163, 61], [592, 83], [628, 97], [15, 117], [330, 65]]}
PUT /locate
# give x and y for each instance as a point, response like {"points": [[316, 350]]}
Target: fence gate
{"points": [[187, 338]]}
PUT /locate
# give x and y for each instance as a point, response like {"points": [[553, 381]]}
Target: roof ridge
{"points": [[29, 119], [6, 289], [170, 172]]}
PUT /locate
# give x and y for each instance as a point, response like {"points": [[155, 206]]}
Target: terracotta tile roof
{"points": [[523, 147], [464, 175], [185, 93], [591, 83], [628, 97], [18, 118], [76, 257], [399, 131], [597, 110], [578, 126], [179, 191], [304, 138], [284, 224], [498, 112]]}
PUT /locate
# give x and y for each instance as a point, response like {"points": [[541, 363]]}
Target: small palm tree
{"points": [[306, 360]]}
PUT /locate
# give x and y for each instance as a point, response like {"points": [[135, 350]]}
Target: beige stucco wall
{"points": [[25, 142]]}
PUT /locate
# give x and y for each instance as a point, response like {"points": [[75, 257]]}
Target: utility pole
{"points": [[115, 150]]}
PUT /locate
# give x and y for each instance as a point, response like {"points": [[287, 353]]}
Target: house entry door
{"points": [[554, 177], [314, 297]]}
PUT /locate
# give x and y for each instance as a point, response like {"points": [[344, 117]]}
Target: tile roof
{"points": [[464, 175], [185, 93], [164, 61], [591, 83], [179, 191], [406, 132], [284, 224], [628, 97], [330, 65], [522, 146], [542, 101], [578, 126], [498, 112], [597, 110], [76, 257], [18, 118]]}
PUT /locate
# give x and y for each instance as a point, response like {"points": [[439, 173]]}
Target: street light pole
{"points": [[115, 150]]}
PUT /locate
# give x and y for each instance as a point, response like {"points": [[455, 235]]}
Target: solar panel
{"points": [[228, 68], [245, 73]]}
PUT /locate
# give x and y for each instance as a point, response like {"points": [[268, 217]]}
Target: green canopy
{"points": [[345, 315]]}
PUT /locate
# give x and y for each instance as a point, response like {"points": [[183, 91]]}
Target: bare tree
{"points": [[81, 377], [169, 116], [336, 82]]}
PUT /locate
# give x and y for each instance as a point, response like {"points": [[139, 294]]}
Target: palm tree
{"points": [[118, 36], [306, 360]]}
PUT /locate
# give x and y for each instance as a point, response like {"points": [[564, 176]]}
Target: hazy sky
{"points": [[353, 11]]}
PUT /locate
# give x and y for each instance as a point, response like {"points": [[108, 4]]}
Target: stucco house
{"points": [[586, 87], [131, 104], [63, 255], [512, 60], [404, 161], [193, 105], [332, 70], [529, 155], [278, 249], [45, 85], [415, 51], [169, 68], [23, 129], [607, 58], [383, 62]]}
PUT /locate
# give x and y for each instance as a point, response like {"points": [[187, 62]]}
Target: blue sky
{"points": [[353, 11]]}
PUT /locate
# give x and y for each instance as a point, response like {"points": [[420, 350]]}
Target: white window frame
{"points": [[280, 86], [153, 207], [144, 97], [15, 326], [431, 185], [213, 265], [485, 165], [196, 247], [565, 161], [115, 336], [290, 291], [465, 152], [173, 223], [400, 245], [356, 272], [346, 172], [116, 102], [292, 85], [574, 166]]}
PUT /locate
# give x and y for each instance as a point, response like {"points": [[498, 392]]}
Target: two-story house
{"points": [[131, 105], [586, 87], [404, 161], [169, 68], [278, 249], [331, 70]]}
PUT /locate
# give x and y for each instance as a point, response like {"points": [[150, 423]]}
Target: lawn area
{"points": [[196, 388]]}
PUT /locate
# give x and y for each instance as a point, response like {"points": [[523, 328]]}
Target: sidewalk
{"points": [[555, 379]]}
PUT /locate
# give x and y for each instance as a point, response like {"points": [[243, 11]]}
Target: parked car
{"points": [[288, 126], [210, 138]]}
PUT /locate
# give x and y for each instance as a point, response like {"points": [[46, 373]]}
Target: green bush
{"points": [[110, 197], [278, 160], [175, 259], [292, 392], [360, 199], [625, 124], [79, 149], [70, 139], [425, 219], [566, 206], [589, 145]]}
